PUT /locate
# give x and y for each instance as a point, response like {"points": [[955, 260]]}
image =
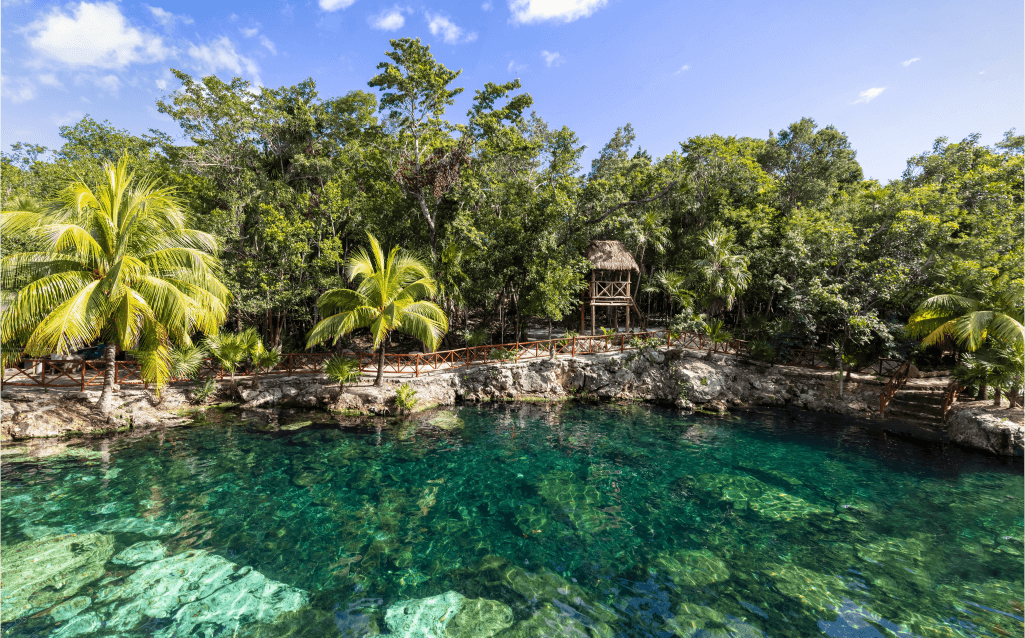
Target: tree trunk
{"points": [[109, 377], [996, 397], [981, 396], [379, 382]]}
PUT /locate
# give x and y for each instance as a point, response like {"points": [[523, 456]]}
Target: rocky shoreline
{"points": [[687, 379]]}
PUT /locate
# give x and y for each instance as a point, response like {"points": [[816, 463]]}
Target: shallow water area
{"points": [[513, 521]]}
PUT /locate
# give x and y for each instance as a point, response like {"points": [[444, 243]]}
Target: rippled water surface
{"points": [[584, 521]]}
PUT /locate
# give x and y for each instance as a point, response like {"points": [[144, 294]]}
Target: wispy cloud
{"points": [[220, 55], [682, 69], [335, 5], [908, 63], [49, 79], [109, 83], [161, 84], [167, 18], [515, 67], [388, 20], [267, 44], [552, 58], [249, 32], [17, 89], [94, 35], [487, 6], [527, 11], [452, 34], [868, 95]]}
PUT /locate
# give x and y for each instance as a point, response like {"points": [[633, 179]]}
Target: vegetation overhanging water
{"points": [[616, 520]]}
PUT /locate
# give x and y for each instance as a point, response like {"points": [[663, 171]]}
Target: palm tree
{"points": [[723, 273], [388, 297], [969, 321], [674, 286], [113, 262]]}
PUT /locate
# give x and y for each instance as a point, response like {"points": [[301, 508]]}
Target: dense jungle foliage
{"points": [[781, 239]]}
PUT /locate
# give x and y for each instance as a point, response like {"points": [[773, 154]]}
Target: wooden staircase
{"points": [[918, 405]]}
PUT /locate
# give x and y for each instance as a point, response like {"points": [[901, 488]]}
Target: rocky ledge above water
{"points": [[686, 379], [982, 426]]}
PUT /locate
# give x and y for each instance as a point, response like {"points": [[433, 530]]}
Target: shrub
{"points": [[342, 370], [502, 354], [405, 398], [204, 391], [186, 362], [476, 337]]}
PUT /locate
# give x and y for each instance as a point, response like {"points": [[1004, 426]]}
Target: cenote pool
{"points": [[568, 520]]}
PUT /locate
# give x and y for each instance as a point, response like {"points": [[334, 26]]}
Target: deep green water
{"points": [[626, 521]]}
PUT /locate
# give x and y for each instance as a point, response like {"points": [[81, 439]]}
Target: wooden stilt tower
{"points": [[610, 282]]}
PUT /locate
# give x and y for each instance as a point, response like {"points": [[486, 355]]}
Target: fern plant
{"points": [[476, 337], [186, 361], [204, 391]]}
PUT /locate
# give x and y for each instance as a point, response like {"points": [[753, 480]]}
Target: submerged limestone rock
{"points": [[446, 421], [196, 590], [39, 573], [820, 591], [566, 495], [699, 621], [691, 568], [450, 615], [746, 493], [140, 553], [553, 622]]}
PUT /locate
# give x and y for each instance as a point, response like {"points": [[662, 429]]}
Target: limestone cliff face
{"points": [[981, 426]]}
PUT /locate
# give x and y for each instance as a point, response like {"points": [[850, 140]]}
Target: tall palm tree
{"points": [[969, 321], [389, 296], [722, 271], [112, 262]]}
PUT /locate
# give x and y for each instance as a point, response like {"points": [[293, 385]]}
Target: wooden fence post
{"points": [[83, 376], [622, 338], [416, 364], [573, 348], [44, 373]]}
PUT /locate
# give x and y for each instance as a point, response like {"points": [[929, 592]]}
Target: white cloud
{"points": [[49, 79], [440, 25], [515, 67], [162, 84], [220, 55], [388, 20], [17, 89], [487, 6], [109, 83], [249, 32], [335, 5], [552, 59], [869, 95], [682, 69], [167, 18], [527, 11], [266, 43], [908, 63], [94, 35]]}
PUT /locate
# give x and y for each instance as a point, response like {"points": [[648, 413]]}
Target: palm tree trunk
{"points": [[109, 377], [981, 396], [996, 397], [379, 382]]}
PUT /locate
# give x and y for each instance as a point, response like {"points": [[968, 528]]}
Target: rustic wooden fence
{"points": [[83, 374]]}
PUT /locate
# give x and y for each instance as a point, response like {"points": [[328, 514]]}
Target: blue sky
{"points": [[893, 76]]}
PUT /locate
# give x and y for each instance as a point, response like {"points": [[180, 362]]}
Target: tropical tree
{"points": [[389, 296], [114, 262], [969, 321], [722, 272]]}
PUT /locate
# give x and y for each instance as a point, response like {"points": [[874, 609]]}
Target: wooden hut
{"points": [[610, 284]]}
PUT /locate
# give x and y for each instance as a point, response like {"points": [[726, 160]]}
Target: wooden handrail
{"points": [[893, 386], [950, 395]]}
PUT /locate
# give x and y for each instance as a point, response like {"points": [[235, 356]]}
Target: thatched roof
{"points": [[610, 255]]}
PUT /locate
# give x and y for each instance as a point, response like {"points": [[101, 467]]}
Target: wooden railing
{"points": [[83, 374], [950, 395], [894, 385], [608, 289]]}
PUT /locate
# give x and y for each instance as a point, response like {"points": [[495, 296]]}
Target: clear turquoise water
{"points": [[623, 520]]}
